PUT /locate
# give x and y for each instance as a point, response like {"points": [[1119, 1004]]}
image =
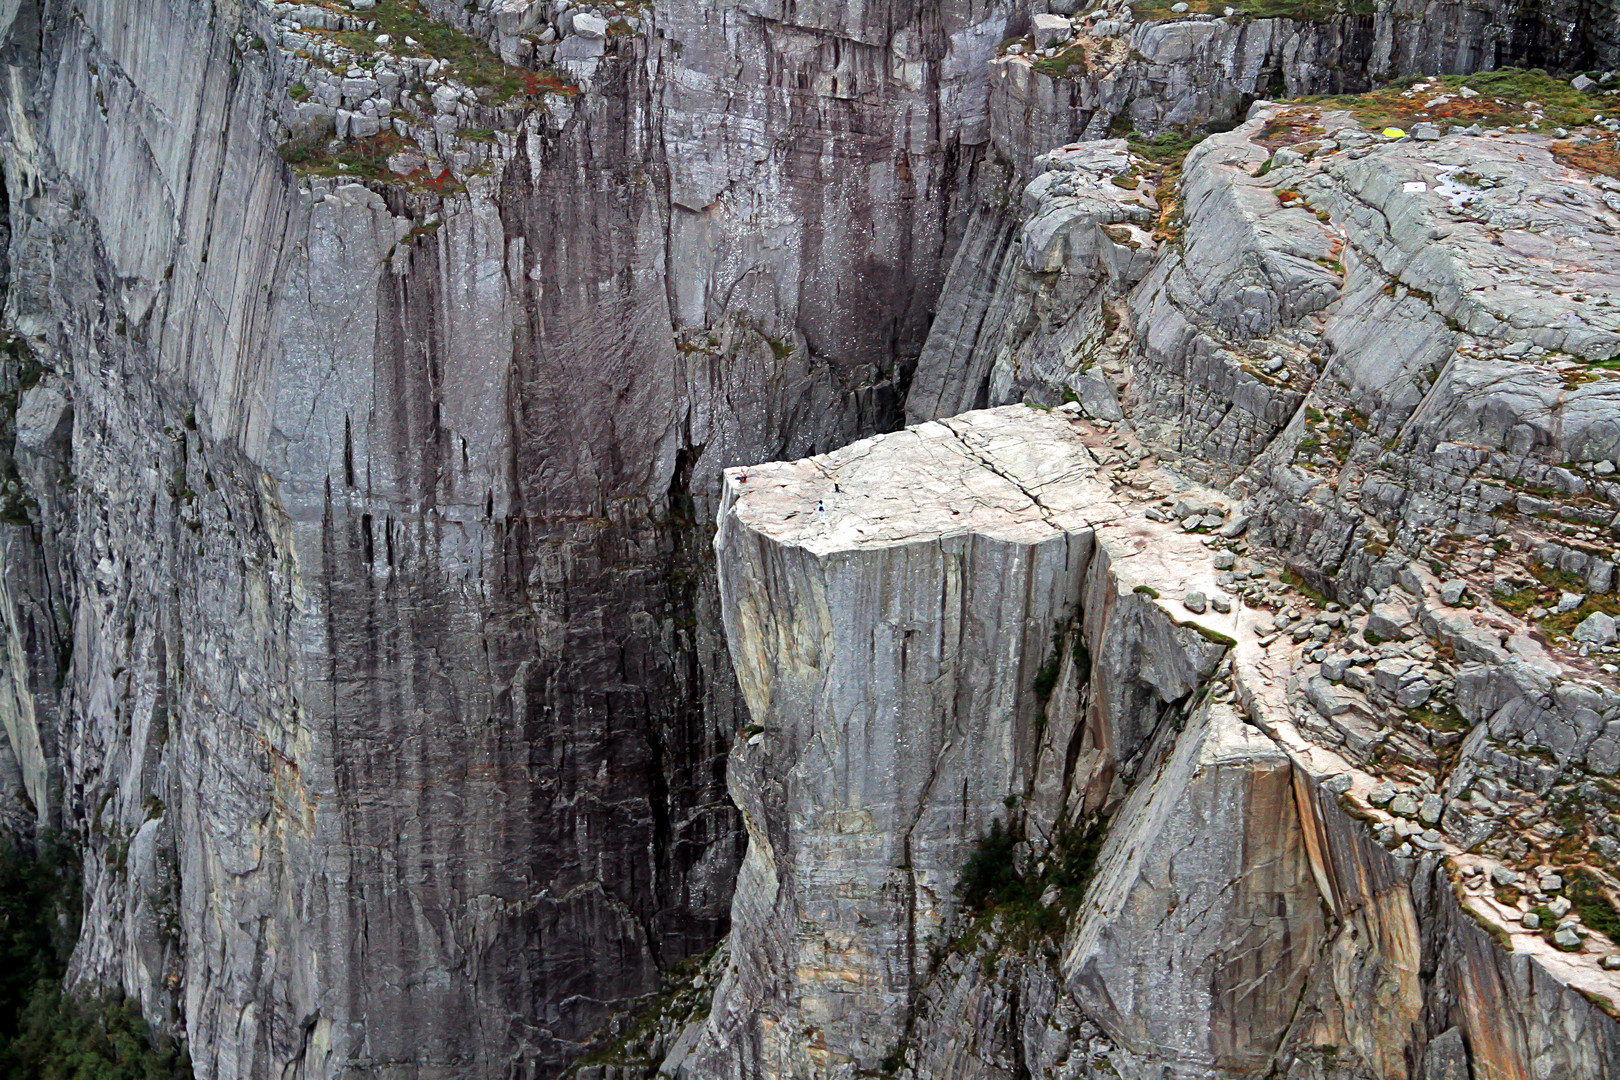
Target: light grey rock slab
{"points": [[854, 798], [1050, 29], [1596, 629], [1024, 312]]}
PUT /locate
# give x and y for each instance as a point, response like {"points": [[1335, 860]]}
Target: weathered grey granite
{"points": [[1241, 918], [858, 805], [1028, 317], [890, 606], [359, 613], [373, 647], [1411, 289], [1182, 72]]}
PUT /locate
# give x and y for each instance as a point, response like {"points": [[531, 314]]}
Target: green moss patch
{"points": [[1312, 11], [1165, 153], [1070, 63], [1592, 903], [470, 60], [319, 154], [1504, 98]]}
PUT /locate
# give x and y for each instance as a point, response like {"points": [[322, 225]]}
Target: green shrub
{"points": [[67, 1037], [1593, 906], [46, 1033], [39, 920], [1046, 679], [990, 877]]}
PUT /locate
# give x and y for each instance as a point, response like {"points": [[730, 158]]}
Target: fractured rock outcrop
{"points": [[891, 607], [1242, 916], [1032, 320], [363, 412]]}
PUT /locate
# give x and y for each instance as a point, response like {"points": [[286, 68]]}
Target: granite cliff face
{"points": [[1364, 834], [361, 617], [1267, 900], [370, 375]]}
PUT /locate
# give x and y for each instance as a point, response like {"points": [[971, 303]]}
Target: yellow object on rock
{"points": [[1394, 133]]}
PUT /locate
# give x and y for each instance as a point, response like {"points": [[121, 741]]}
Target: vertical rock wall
{"points": [[374, 633], [359, 612], [1196, 889], [911, 618]]}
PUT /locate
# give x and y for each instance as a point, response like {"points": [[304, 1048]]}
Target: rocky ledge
{"points": [[1013, 627]]}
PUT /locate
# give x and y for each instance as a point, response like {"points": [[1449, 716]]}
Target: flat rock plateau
{"points": [[760, 540]]}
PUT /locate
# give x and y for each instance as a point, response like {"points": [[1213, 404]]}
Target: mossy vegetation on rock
{"points": [[318, 152], [1311, 11], [1038, 900], [1504, 97], [471, 61]]}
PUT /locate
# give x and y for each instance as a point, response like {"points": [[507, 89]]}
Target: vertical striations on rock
{"points": [[374, 635], [906, 615], [1197, 882], [369, 377]]}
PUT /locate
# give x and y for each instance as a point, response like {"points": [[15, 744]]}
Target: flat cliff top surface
{"points": [[1014, 473], [1023, 474]]}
